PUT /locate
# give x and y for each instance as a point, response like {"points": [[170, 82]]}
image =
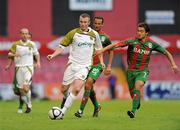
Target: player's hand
{"points": [[37, 65], [7, 67], [103, 66], [50, 57], [17, 55], [14, 54], [175, 69]]}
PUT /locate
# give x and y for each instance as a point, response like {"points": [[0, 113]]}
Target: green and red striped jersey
{"points": [[138, 53], [105, 40]]}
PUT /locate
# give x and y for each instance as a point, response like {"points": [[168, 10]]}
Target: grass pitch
{"points": [[153, 115]]}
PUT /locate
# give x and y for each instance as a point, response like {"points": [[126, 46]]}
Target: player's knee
{"points": [[89, 84], [139, 85], [76, 90], [131, 93], [26, 88], [64, 89], [22, 92]]}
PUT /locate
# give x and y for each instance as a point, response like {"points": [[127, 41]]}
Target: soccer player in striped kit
{"points": [[138, 56], [96, 71]]}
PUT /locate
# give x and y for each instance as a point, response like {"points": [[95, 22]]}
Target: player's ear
{"points": [[89, 22]]}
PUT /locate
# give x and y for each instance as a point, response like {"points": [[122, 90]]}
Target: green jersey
{"points": [[138, 53], [105, 41]]}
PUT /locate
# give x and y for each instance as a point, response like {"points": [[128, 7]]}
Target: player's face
{"points": [[141, 33], [97, 24], [24, 34], [84, 23]]}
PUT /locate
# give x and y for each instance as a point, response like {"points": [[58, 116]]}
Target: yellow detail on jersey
{"points": [[67, 40], [91, 34], [16, 43], [68, 37]]}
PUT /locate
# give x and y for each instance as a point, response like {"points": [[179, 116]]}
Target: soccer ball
{"points": [[54, 113]]}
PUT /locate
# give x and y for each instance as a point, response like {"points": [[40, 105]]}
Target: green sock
{"points": [[84, 100], [136, 100], [93, 98]]}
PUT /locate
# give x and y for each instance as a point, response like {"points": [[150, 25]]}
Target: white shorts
{"points": [[23, 76], [74, 71]]}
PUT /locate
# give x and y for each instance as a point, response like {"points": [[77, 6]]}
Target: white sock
{"points": [[24, 98], [70, 99], [28, 95]]}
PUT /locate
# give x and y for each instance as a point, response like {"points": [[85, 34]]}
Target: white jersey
{"points": [[82, 45], [26, 50]]}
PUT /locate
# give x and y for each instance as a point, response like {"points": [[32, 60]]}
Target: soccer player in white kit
{"points": [[22, 52], [82, 41]]}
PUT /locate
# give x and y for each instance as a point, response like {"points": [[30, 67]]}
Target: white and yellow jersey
{"points": [[82, 45], [26, 50]]}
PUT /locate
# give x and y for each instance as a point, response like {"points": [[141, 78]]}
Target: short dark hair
{"points": [[145, 26], [99, 17], [84, 15]]}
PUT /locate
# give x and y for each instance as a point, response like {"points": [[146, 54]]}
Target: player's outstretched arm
{"points": [[110, 59], [58, 51], [12, 55], [111, 46], [174, 67], [37, 61], [10, 61], [101, 60]]}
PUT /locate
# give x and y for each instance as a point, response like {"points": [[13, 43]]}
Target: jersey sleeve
{"points": [[13, 48], [67, 40], [125, 42], [35, 50], [98, 44], [108, 41], [158, 48]]}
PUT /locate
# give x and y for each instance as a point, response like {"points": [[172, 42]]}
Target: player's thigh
{"points": [[68, 76], [89, 83], [24, 78], [64, 88], [28, 73], [130, 80], [15, 82], [79, 78], [77, 86], [141, 78], [81, 73], [95, 72], [19, 75]]}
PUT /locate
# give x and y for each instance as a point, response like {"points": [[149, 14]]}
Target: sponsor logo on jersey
{"points": [[141, 51], [95, 71], [91, 38], [84, 44], [102, 39], [150, 45]]}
